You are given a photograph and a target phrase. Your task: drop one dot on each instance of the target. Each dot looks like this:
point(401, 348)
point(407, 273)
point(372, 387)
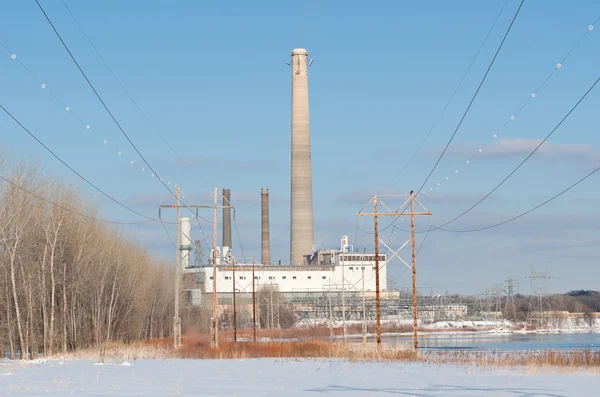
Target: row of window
point(362, 258)
point(271, 277)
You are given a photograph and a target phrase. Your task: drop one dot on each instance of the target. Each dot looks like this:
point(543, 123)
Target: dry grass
point(197, 346)
point(532, 361)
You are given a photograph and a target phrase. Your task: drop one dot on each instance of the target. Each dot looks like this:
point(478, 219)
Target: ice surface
point(284, 377)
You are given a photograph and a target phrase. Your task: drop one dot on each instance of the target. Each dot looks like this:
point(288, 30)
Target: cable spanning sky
point(212, 80)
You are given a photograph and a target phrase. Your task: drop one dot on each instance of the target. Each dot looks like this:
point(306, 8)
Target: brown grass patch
point(531, 360)
point(197, 346)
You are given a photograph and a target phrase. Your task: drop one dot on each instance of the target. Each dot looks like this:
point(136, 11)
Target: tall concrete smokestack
point(226, 218)
point(301, 223)
point(265, 241)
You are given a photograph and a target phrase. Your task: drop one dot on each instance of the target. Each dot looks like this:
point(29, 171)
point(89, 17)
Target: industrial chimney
point(226, 218)
point(265, 242)
point(301, 222)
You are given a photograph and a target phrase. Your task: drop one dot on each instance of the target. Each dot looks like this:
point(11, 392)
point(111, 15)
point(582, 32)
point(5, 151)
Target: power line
point(530, 97)
point(65, 106)
point(73, 170)
point(129, 95)
point(526, 212)
point(558, 66)
point(451, 97)
point(465, 113)
point(474, 96)
point(237, 232)
point(101, 100)
point(67, 209)
point(526, 158)
point(168, 235)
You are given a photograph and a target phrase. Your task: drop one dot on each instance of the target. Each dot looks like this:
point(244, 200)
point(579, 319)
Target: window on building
point(271, 277)
point(351, 268)
point(293, 277)
point(309, 277)
point(324, 277)
point(211, 277)
point(283, 277)
point(255, 277)
point(226, 277)
point(241, 278)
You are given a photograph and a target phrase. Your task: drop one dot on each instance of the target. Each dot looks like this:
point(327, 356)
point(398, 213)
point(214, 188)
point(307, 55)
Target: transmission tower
point(511, 284)
point(539, 301)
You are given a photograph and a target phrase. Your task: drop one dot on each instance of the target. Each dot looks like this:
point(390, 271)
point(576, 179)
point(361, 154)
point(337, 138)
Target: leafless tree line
point(66, 281)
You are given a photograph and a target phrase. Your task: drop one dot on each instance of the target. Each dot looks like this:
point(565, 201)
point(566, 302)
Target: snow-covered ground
point(268, 377)
point(566, 325)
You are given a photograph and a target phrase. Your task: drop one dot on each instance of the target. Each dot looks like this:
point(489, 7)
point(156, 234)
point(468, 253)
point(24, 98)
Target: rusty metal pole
point(253, 303)
point(377, 301)
point(414, 271)
point(234, 306)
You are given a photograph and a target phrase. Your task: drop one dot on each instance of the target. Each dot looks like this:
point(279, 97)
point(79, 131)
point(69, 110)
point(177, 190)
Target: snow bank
point(565, 325)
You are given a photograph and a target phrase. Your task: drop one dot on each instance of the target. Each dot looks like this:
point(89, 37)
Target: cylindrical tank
point(186, 242)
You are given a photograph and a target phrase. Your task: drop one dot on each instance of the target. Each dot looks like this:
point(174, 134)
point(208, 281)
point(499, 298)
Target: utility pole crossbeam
point(398, 213)
point(215, 207)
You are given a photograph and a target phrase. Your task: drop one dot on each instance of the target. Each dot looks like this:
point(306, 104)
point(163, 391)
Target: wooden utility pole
point(414, 270)
point(364, 309)
point(399, 212)
point(215, 334)
point(343, 305)
point(177, 319)
point(234, 306)
point(253, 303)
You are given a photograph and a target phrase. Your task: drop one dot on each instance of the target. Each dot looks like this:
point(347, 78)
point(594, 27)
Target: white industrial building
point(325, 270)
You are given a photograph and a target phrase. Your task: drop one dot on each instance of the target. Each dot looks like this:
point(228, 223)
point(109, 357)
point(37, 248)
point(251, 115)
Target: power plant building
point(327, 270)
point(309, 270)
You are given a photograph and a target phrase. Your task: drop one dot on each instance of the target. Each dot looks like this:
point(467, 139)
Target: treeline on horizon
point(69, 282)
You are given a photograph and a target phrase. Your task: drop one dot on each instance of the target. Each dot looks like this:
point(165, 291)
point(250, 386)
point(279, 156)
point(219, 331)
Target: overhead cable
point(526, 158)
point(130, 96)
point(450, 99)
point(67, 209)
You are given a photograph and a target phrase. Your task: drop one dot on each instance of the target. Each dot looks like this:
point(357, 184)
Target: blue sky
point(212, 79)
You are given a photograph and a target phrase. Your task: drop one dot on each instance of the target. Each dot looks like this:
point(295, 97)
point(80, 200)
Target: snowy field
point(268, 377)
